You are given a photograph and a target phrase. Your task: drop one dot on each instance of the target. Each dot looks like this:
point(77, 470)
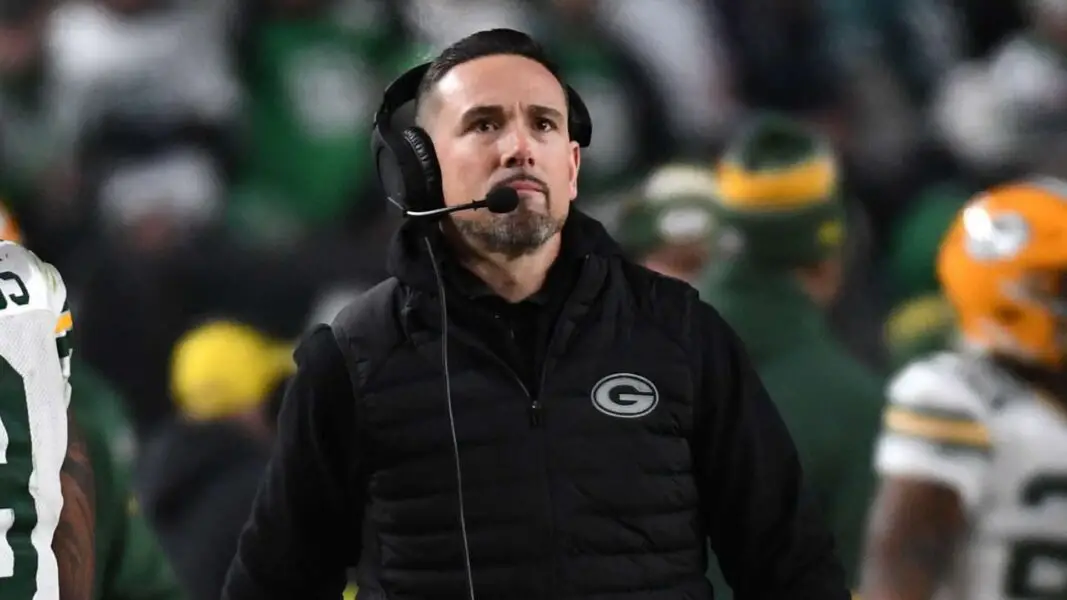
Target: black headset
point(405, 161)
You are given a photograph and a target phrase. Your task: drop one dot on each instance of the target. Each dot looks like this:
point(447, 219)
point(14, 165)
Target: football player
point(973, 454)
point(46, 482)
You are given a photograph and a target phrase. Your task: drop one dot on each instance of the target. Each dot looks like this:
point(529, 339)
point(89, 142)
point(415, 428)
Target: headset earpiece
point(425, 191)
point(400, 169)
point(579, 122)
point(405, 161)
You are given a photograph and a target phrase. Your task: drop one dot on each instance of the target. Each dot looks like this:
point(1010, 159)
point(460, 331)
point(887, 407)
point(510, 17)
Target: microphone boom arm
point(499, 201)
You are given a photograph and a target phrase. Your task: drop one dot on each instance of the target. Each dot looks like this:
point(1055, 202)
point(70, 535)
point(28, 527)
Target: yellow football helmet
point(1003, 266)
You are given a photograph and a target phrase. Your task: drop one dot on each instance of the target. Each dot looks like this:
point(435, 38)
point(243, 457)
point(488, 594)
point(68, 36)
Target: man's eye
point(484, 126)
point(546, 125)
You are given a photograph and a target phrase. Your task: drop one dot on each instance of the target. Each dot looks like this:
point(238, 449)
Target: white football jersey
point(34, 395)
point(960, 421)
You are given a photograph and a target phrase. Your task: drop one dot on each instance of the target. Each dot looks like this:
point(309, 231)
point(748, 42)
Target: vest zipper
point(537, 411)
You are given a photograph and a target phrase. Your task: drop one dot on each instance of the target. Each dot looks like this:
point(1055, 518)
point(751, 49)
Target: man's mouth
point(525, 186)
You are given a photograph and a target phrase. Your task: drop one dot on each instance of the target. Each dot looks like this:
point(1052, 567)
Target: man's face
point(502, 120)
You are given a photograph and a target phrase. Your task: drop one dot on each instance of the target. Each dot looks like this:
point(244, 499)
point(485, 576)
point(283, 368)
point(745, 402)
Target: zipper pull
point(536, 413)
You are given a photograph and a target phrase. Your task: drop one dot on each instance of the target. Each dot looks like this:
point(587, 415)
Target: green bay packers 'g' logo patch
point(625, 395)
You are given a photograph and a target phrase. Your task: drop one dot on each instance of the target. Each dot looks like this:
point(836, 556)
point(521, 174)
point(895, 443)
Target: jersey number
point(19, 558)
point(20, 298)
point(1038, 568)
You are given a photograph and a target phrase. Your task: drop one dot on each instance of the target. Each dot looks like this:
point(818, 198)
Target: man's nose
point(518, 149)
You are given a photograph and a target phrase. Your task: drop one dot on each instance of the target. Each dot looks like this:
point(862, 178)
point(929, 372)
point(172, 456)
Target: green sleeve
point(141, 571)
point(137, 567)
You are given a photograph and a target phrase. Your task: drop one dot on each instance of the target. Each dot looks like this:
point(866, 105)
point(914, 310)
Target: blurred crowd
point(198, 171)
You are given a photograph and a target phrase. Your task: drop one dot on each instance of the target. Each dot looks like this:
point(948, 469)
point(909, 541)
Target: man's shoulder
point(370, 325)
point(367, 309)
point(955, 381)
point(656, 291)
point(668, 302)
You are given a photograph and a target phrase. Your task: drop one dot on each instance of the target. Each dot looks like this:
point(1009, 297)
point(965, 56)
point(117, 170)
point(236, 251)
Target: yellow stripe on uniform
point(64, 324)
point(801, 186)
point(937, 429)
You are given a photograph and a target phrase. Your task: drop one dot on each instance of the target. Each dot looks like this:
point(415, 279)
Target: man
point(778, 268)
point(667, 226)
point(46, 480)
point(973, 455)
point(199, 473)
point(606, 423)
point(132, 565)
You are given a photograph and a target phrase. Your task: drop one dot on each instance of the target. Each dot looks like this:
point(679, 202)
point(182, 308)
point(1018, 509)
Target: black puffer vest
point(583, 490)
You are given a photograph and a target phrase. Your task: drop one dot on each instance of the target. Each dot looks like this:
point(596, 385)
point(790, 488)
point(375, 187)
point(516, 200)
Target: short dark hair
point(489, 42)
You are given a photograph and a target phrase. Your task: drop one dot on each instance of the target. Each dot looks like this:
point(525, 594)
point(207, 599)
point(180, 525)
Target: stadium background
point(193, 161)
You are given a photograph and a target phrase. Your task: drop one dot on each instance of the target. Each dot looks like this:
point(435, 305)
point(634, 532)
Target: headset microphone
point(500, 200)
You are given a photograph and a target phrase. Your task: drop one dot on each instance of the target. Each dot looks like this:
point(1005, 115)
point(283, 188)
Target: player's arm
point(73, 539)
point(931, 456)
point(915, 530)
